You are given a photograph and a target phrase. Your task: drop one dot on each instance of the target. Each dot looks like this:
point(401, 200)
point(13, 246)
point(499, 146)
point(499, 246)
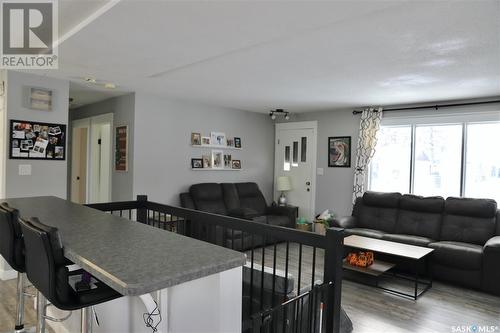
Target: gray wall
point(122, 108)
point(48, 177)
point(163, 153)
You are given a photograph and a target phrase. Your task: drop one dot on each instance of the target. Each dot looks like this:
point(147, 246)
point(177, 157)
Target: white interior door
point(91, 164)
point(101, 155)
point(80, 160)
point(295, 157)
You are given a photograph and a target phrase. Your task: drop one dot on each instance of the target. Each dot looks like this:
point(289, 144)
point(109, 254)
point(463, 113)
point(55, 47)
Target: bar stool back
point(46, 269)
point(12, 250)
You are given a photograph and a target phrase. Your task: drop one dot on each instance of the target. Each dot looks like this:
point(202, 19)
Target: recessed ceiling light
point(89, 79)
point(110, 85)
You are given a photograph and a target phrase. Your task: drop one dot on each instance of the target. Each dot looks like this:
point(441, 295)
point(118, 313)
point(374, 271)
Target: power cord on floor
point(149, 318)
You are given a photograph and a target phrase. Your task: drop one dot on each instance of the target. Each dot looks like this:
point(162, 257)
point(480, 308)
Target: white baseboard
point(8, 274)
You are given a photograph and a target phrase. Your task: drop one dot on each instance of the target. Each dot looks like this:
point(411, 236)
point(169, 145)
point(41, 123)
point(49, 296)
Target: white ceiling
point(297, 55)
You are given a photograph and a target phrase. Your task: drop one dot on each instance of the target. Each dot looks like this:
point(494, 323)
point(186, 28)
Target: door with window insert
point(295, 157)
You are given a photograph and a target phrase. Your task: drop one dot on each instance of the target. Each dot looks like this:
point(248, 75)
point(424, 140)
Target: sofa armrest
point(345, 222)
point(285, 211)
point(491, 268)
point(493, 244)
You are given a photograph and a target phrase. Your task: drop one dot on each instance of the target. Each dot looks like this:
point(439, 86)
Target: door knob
point(308, 183)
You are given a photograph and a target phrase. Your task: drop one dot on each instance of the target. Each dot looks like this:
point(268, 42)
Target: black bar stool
point(12, 249)
point(46, 269)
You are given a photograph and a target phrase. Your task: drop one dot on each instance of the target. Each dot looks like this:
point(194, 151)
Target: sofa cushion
point(408, 239)
point(469, 220)
point(457, 254)
point(365, 232)
point(420, 216)
point(381, 199)
point(485, 208)
point(378, 218)
point(231, 198)
point(251, 197)
point(378, 211)
point(208, 197)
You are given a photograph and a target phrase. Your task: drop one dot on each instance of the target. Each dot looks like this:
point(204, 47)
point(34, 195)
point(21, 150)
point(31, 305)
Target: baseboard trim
point(8, 274)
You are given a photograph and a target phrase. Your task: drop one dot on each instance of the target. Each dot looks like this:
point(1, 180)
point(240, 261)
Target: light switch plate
point(24, 169)
point(320, 171)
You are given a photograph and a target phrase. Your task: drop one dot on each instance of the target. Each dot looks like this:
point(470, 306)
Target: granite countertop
point(130, 257)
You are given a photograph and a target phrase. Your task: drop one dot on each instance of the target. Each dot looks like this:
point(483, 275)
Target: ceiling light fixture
point(89, 79)
point(279, 112)
point(109, 85)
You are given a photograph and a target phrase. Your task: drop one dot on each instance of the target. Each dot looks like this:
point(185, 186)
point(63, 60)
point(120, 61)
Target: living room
point(287, 88)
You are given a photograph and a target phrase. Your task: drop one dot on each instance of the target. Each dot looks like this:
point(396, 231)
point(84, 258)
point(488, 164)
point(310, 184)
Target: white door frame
point(87, 123)
point(292, 126)
point(106, 118)
point(81, 123)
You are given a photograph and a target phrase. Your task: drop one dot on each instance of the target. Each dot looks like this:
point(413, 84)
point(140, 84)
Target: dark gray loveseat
point(464, 233)
point(242, 200)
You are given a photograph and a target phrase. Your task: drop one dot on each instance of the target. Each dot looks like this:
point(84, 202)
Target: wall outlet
point(24, 169)
point(320, 171)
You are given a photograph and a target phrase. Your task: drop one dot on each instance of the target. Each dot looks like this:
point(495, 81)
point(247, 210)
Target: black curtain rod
point(437, 106)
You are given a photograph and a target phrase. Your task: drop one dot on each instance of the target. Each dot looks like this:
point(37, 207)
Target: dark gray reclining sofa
point(464, 233)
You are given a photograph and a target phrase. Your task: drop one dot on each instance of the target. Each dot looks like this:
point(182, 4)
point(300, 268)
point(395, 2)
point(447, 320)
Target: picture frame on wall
point(37, 141)
point(207, 161)
point(217, 159)
point(195, 139)
point(40, 99)
point(227, 161)
point(236, 164)
point(121, 148)
point(339, 152)
point(218, 139)
point(237, 142)
point(196, 163)
point(205, 141)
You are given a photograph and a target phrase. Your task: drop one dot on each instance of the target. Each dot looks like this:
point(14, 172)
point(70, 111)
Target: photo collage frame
point(36, 140)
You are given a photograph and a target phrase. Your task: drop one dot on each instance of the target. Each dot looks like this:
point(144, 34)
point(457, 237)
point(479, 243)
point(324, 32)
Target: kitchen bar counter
point(130, 257)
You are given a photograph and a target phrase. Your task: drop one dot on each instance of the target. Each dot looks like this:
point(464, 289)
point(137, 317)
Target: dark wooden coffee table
point(412, 253)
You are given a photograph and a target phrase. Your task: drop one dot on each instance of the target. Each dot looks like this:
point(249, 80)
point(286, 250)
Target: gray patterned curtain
point(368, 129)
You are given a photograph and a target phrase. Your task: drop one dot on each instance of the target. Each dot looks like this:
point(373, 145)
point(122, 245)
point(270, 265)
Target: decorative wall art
point(36, 140)
point(218, 139)
point(339, 151)
point(219, 158)
point(40, 99)
point(121, 148)
point(196, 139)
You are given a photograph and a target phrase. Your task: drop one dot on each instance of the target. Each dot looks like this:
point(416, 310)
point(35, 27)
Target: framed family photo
point(196, 139)
point(218, 139)
point(339, 151)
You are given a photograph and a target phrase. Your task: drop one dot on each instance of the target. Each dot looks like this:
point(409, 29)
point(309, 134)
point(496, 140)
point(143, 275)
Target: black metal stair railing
point(292, 281)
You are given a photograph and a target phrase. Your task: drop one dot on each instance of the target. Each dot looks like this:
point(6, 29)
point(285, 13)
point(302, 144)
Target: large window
point(438, 156)
point(390, 167)
point(439, 159)
point(482, 170)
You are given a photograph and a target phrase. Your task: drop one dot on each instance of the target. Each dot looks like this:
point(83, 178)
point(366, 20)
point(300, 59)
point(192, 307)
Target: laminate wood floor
point(440, 309)
point(8, 307)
